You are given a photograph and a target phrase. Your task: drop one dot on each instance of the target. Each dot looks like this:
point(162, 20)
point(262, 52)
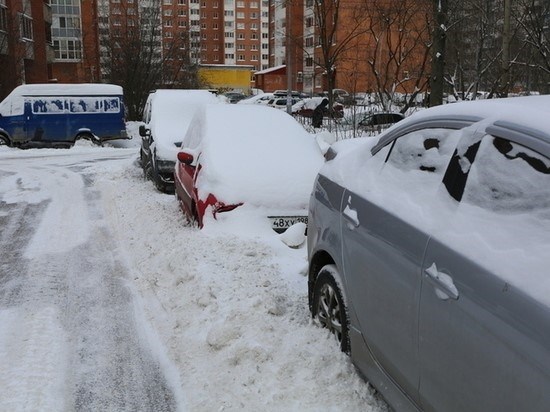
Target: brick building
point(73, 40)
point(25, 51)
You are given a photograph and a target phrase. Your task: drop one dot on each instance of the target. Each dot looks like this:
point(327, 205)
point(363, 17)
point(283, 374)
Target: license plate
point(281, 223)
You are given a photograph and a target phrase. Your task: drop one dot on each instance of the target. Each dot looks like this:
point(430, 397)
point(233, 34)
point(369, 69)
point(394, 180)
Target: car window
point(426, 150)
point(405, 176)
point(502, 221)
point(508, 177)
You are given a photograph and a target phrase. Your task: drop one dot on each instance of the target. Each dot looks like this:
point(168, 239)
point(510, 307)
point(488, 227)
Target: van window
point(84, 104)
point(111, 105)
point(12, 107)
point(49, 105)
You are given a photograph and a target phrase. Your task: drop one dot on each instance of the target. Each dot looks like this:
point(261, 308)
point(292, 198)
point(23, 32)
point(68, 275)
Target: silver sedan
point(429, 253)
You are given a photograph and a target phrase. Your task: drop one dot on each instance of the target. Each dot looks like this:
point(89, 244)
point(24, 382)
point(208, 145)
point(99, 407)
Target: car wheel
point(160, 184)
point(4, 140)
point(329, 309)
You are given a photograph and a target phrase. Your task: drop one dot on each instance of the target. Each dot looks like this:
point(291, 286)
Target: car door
point(484, 330)
point(386, 215)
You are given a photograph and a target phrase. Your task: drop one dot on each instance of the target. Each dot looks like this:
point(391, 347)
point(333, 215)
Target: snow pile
point(230, 306)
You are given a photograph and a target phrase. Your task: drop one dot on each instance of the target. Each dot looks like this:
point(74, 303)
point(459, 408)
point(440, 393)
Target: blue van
point(36, 115)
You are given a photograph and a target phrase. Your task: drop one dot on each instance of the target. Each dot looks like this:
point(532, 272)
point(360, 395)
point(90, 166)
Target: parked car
point(306, 107)
point(57, 115)
point(234, 97)
point(261, 98)
point(246, 156)
point(166, 116)
point(280, 102)
point(428, 257)
point(370, 123)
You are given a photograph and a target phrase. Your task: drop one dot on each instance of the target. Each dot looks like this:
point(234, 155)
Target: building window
point(309, 41)
point(3, 17)
point(309, 61)
point(309, 22)
point(26, 27)
point(229, 45)
point(241, 57)
point(229, 56)
point(240, 14)
point(228, 13)
point(67, 49)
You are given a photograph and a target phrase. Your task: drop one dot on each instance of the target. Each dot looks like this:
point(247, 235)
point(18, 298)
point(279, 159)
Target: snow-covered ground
point(108, 296)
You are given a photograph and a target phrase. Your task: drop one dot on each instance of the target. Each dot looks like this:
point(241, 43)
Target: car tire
point(4, 141)
point(161, 185)
point(329, 308)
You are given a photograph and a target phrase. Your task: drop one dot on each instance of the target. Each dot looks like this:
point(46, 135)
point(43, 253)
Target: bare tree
point(439, 51)
point(339, 25)
point(397, 51)
point(533, 18)
point(137, 57)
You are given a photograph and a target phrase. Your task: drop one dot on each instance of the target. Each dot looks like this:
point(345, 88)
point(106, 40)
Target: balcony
point(47, 13)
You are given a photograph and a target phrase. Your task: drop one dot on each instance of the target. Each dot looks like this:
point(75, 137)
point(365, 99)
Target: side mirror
point(185, 158)
point(143, 130)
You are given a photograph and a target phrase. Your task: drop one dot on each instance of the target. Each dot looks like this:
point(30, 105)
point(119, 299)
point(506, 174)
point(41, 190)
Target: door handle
point(443, 283)
point(351, 217)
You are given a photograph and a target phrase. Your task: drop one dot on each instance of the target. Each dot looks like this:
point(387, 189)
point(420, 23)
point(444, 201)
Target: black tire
point(161, 185)
point(329, 309)
point(90, 137)
point(4, 141)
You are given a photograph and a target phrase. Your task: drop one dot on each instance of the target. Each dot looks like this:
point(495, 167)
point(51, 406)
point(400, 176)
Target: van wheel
point(89, 136)
point(4, 141)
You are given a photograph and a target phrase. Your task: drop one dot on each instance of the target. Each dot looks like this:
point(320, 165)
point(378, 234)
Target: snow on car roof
point(529, 111)
point(56, 89)
point(254, 154)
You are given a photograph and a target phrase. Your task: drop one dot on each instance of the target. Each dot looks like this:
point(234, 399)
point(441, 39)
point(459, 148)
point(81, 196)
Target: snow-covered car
point(166, 116)
point(248, 156)
point(428, 256)
point(280, 102)
point(261, 98)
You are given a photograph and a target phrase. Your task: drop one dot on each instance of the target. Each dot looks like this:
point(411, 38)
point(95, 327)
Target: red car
point(250, 156)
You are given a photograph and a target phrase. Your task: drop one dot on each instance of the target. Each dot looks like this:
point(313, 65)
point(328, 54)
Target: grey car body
point(428, 257)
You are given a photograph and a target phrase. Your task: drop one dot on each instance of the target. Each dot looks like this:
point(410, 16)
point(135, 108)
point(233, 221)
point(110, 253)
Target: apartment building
point(74, 36)
point(25, 51)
